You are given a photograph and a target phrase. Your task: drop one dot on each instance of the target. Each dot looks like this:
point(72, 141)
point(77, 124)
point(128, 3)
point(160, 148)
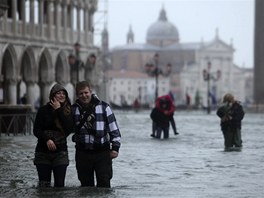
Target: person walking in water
point(97, 137)
point(52, 125)
point(231, 114)
point(162, 116)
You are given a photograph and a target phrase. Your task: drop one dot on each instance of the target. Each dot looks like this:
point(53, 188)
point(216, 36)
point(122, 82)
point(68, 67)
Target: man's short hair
point(82, 85)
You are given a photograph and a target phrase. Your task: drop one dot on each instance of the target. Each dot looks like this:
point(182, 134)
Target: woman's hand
point(51, 145)
point(55, 103)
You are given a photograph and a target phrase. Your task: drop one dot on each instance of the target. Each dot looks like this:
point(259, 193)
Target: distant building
point(187, 60)
point(125, 87)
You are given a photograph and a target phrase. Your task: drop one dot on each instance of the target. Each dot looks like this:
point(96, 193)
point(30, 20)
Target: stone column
point(32, 17)
point(14, 19)
point(4, 22)
point(71, 23)
point(44, 92)
point(30, 94)
point(58, 19)
point(23, 16)
point(64, 20)
point(11, 92)
point(85, 24)
point(41, 17)
point(78, 22)
point(50, 18)
point(91, 28)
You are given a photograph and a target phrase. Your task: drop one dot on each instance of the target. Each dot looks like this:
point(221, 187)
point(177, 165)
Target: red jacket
point(171, 107)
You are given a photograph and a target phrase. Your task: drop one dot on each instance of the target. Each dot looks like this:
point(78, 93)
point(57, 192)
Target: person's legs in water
point(59, 173)
point(237, 138)
point(228, 139)
point(159, 130)
point(44, 174)
point(154, 129)
point(103, 169)
point(85, 168)
point(166, 133)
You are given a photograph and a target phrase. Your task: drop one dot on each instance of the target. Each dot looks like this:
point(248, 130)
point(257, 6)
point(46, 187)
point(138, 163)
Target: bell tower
point(130, 36)
point(258, 54)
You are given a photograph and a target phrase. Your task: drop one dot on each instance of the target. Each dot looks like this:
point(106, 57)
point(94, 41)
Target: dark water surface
point(192, 164)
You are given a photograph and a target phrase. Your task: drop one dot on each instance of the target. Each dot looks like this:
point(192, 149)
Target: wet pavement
point(192, 164)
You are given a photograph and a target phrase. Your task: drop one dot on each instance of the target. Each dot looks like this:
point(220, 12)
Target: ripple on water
point(191, 164)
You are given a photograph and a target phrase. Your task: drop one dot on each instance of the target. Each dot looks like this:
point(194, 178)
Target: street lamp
point(154, 71)
point(92, 60)
point(75, 61)
point(90, 69)
point(207, 75)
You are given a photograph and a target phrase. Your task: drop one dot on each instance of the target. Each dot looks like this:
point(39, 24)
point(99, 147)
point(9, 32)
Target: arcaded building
point(37, 38)
point(185, 62)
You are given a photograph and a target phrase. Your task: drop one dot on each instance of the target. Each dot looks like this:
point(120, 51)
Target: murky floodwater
point(192, 164)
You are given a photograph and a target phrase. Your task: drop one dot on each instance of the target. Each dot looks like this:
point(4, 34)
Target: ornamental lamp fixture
point(71, 59)
point(77, 48)
point(92, 59)
point(3, 7)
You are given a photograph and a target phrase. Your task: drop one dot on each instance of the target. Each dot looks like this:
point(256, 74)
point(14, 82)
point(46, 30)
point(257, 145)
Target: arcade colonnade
point(36, 38)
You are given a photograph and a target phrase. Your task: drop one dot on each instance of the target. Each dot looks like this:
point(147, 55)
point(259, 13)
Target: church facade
point(187, 65)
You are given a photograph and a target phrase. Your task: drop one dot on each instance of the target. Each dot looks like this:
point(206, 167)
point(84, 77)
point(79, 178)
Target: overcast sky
point(195, 20)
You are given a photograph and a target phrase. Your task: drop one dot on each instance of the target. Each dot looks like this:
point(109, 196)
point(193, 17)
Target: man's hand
point(113, 154)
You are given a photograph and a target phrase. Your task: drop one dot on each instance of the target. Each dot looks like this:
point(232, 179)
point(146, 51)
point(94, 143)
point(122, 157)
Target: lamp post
point(75, 61)
point(207, 75)
point(155, 70)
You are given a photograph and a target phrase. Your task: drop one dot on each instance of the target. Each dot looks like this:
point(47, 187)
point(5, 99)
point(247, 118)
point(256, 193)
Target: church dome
point(162, 32)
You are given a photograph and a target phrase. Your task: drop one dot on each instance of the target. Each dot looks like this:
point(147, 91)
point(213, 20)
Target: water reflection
point(192, 164)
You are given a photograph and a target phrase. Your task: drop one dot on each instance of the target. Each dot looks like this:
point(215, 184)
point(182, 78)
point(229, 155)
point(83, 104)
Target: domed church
point(162, 32)
point(185, 66)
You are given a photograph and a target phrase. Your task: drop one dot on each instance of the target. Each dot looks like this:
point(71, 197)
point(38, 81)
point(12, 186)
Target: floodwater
point(192, 164)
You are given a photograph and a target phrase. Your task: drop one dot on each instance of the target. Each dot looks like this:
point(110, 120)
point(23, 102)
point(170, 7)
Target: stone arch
point(45, 74)
point(62, 69)
point(28, 66)
point(28, 71)
point(45, 69)
point(9, 74)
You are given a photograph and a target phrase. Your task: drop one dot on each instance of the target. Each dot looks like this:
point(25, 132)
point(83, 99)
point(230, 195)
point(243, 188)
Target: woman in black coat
point(52, 125)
